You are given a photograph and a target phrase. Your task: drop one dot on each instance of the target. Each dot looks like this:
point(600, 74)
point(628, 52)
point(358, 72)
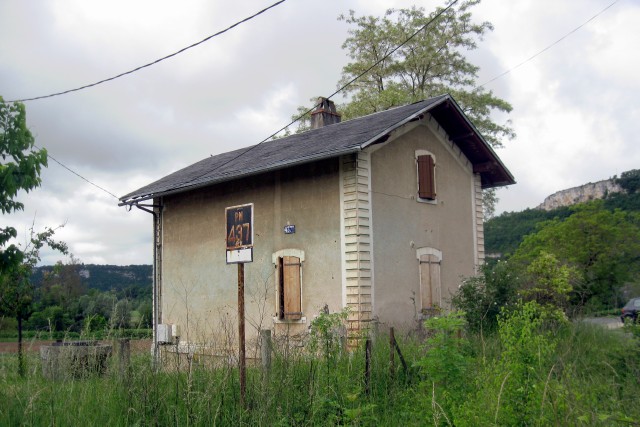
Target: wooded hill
point(106, 277)
point(504, 233)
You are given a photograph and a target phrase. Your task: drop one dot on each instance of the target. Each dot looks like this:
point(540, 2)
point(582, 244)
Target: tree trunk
point(21, 363)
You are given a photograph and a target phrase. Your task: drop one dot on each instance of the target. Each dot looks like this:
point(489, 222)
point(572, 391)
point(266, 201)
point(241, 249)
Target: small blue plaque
point(289, 229)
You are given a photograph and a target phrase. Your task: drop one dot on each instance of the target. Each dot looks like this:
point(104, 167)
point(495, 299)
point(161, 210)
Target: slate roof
point(331, 141)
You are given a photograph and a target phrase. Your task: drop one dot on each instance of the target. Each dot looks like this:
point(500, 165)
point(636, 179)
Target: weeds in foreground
point(528, 373)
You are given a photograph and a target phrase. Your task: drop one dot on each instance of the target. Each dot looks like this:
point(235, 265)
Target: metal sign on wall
point(239, 233)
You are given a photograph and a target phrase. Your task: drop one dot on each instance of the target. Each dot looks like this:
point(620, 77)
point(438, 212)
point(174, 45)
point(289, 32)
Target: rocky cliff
point(581, 194)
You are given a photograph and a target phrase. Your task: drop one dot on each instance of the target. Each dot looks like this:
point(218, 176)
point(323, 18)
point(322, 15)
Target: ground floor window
point(288, 263)
point(430, 260)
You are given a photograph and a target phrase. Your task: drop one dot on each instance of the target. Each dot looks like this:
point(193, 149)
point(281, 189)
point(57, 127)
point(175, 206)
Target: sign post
point(239, 232)
point(241, 339)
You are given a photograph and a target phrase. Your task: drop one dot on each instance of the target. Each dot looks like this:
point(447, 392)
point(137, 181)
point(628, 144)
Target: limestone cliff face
point(584, 193)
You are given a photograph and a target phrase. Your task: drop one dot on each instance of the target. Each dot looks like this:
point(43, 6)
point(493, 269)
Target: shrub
point(445, 364)
point(482, 298)
point(517, 382)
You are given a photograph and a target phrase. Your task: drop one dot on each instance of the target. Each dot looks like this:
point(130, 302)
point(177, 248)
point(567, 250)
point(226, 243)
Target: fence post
point(125, 357)
point(392, 367)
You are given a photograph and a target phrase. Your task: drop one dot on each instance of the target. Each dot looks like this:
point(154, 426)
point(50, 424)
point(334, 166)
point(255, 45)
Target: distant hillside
point(581, 194)
point(107, 277)
point(504, 233)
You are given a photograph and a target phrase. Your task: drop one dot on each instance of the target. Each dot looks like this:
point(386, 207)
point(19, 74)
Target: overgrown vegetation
point(511, 357)
point(20, 170)
point(537, 369)
point(74, 299)
point(598, 243)
point(504, 233)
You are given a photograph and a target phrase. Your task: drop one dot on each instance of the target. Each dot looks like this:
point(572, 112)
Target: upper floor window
point(426, 166)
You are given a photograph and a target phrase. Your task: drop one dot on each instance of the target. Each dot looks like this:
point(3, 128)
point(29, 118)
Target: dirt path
point(606, 322)
point(137, 346)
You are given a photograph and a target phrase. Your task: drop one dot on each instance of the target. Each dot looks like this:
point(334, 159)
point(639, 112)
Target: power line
point(387, 56)
point(349, 83)
point(77, 174)
point(549, 46)
point(312, 108)
point(154, 62)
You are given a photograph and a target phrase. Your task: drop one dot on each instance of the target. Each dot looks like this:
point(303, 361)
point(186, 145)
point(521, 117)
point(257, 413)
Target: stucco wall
point(200, 289)
point(401, 224)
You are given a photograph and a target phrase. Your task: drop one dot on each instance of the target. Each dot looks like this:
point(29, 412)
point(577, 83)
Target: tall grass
point(592, 377)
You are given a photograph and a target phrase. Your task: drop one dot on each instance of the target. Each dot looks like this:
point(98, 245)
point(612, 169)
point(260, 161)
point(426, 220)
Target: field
point(576, 374)
point(6, 347)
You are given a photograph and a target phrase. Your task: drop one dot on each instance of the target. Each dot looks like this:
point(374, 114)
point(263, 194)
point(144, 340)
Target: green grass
point(591, 379)
point(12, 336)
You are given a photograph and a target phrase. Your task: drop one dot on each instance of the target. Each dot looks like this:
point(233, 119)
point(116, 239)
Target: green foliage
point(534, 372)
point(431, 63)
point(129, 281)
point(98, 334)
point(623, 201)
point(76, 289)
point(482, 297)
point(504, 233)
point(53, 318)
point(19, 170)
point(445, 364)
point(489, 201)
point(629, 181)
point(16, 291)
point(145, 312)
point(601, 246)
point(528, 339)
point(328, 333)
point(632, 328)
point(547, 281)
point(511, 389)
point(121, 315)
point(21, 166)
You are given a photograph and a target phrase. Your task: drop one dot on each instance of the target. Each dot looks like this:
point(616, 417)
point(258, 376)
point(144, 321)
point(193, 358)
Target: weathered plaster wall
point(401, 224)
point(200, 289)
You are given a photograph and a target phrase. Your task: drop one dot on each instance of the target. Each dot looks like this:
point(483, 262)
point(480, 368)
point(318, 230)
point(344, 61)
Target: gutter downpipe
point(157, 259)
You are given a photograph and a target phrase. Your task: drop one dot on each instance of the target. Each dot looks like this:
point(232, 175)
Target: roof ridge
point(316, 144)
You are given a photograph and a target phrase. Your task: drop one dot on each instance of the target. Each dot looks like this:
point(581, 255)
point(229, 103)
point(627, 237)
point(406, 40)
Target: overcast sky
point(575, 107)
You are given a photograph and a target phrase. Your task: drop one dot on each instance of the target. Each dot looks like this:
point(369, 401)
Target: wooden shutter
point(289, 305)
point(430, 292)
point(426, 177)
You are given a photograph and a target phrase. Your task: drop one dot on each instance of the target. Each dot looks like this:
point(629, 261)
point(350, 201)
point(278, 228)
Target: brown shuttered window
point(430, 291)
point(289, 304)
point(426, 177)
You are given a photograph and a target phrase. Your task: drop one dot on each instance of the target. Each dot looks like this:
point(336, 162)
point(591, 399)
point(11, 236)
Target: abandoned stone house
point(381, 214)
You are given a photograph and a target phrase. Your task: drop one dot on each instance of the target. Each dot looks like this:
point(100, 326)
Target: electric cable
point(315, 106)
point(389, 54)
point(77, 174)
point(153, 62)
point(350, 82)
point(548, 47)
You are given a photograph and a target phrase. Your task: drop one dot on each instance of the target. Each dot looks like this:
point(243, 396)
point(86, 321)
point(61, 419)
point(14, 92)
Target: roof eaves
point(484, 142)
point(132, 199)
point(403, 122)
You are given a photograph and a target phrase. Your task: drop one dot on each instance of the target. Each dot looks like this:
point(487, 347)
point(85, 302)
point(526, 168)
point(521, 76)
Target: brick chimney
point(324, 114)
